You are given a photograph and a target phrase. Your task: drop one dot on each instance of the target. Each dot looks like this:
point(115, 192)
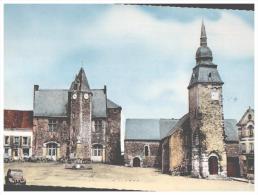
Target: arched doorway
point(52, 150)
point(136, 162)
point(213, 165)
point(97, 153)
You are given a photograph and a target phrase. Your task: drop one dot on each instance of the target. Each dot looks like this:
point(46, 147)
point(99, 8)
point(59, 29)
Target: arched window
point(52, 149)
point(249, 116)
point(146, 150)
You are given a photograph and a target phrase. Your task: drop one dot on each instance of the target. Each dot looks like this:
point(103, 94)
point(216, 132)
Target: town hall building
point(201, 143)
point(79, 123)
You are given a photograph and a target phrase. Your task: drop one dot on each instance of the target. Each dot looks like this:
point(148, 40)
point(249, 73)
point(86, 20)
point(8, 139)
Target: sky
point(144, 54)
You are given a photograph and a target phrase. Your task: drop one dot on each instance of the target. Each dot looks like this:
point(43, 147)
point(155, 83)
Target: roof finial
point(203, 35)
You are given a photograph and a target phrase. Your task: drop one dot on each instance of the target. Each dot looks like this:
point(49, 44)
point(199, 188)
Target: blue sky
point(144, 54)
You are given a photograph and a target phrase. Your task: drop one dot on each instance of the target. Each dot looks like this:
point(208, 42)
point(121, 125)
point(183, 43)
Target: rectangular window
point(6, 140)
point(16, 140)
point(25, 141)
point(6, 150)
point(243, 148)
point(98, 125)
point(251, 148)
point(16, 152)
point(25, 151)
point(52, 124)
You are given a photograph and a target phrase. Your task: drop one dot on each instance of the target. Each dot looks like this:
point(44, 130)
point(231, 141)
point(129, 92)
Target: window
point(97, 150)
point(52, 124)
point(16, 140)
point(251, 148)
point(146, 150)
point(6, 150)
point(98, 125)
point(6, 139)
point(25, 151)
point(249, 116)
point(243, 148)
point(250, 128)
point(196, 138)
point(15, 152)
point(51, 149)
point(25, 140)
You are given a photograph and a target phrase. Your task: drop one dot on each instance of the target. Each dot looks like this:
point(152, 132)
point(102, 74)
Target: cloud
point(229, 36)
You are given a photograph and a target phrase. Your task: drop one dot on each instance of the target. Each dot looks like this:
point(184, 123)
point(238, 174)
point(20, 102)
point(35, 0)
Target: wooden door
point(213, 165)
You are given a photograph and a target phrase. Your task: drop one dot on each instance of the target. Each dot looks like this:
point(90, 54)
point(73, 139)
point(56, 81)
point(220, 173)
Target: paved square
point(119, 177)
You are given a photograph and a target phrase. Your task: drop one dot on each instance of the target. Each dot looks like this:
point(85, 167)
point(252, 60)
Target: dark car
point(15, 177)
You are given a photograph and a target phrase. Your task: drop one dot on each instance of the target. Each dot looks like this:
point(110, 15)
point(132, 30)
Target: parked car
point(7, 158)
point(15, 177)
point(26, 157)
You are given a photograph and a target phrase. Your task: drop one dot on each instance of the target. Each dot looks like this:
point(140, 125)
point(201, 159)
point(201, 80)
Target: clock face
point(74, 96)
point(86, 96)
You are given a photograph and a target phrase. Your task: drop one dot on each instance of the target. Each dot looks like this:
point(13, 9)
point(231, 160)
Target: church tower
point(206, 115)
point(80, 106)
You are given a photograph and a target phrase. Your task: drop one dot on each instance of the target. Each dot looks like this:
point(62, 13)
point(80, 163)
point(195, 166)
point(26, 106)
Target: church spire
point(203, 41)
point(80, 83)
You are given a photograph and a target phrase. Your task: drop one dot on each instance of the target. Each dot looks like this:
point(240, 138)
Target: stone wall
point(177, 152)
point(136, 149)
point(165, 155)
point(41, 135)
point(232, 149)
point(113, 148)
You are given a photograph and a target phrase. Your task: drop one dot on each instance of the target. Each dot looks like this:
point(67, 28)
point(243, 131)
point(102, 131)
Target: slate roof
point(157, 129)
point(148, 129)
point(231, 130)
point(111, 104)
point(99, 103)
point(80, 83)
point(179, 124)
point(18, 119)
point(205, 74)
point(51, 103)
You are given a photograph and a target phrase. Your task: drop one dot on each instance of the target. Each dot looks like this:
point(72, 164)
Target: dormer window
point(249, 116)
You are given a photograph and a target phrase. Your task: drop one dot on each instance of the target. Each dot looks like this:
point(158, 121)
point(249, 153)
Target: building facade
point(202, 143)
point(17, 134)
point(78, 122)
point(246, 137)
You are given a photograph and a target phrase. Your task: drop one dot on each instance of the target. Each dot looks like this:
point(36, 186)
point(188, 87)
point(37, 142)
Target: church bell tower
point(206, 115)
point(80, 106)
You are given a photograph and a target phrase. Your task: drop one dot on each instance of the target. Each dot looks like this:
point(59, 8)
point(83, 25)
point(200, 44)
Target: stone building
point(17, 134)
point(201, 143)
point(246, 137)
point(78, 122)
point(142, 141)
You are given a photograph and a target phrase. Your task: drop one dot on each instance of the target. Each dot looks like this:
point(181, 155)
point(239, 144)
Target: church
point(201, 143)
point(78, 122)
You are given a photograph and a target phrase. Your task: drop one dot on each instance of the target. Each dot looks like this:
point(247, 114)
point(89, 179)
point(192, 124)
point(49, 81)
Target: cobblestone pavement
point(119, 177)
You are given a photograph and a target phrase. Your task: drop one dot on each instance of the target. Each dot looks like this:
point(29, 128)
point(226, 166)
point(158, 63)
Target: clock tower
point(206, 115)
point(80, 106)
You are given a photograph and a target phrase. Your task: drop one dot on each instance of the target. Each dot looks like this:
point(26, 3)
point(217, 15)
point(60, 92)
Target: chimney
point(105, 89)
point(36, 87)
